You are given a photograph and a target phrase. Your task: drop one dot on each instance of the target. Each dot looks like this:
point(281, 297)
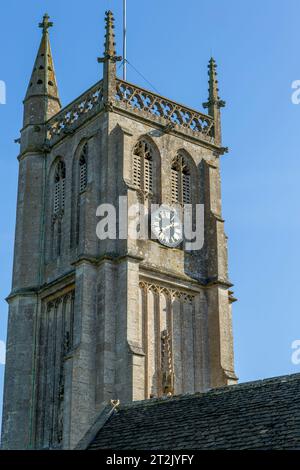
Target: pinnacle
point(110, 44)
point(213, 90)
point(110, 35)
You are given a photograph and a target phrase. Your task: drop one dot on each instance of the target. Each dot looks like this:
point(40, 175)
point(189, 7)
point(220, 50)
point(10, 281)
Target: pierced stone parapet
point(73, 115)
point(168, 113)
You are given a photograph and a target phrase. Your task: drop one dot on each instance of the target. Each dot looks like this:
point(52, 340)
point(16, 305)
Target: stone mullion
point(38, 419)
point(58, 373)
point(72, 319)
point(53, 239)
point(58, 241)
point(84, 206)
point(188, 345)
point(193, 339)
point(78, 212)
point(67, 324)
point(66, 302)
point(144, 309)
point(44, 361)
point(158, 341)
point(67, 367)
point(48, 368)
point(196, 344)
point(61, 382)
point(203, 342)
point(170, 326)
point(182, 341)
point(177, 351)
point(53, 373)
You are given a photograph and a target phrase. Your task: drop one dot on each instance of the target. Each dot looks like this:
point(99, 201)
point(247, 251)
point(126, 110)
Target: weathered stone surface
point(88, 317)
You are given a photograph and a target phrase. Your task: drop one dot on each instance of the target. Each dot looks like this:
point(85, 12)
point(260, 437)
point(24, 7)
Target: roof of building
point(257, 415)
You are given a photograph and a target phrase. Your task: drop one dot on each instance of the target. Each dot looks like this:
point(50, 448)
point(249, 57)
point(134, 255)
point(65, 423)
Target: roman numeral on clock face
point(166, 226)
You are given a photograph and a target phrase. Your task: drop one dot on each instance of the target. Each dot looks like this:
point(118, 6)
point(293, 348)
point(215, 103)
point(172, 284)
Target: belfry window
point(180, 181)
point(58, 208)
point(59, 188)
point(143, 167)
point(83, 169)
point(81, 185)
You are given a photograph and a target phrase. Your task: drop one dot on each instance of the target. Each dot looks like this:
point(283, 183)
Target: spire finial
point(110, 45)
point(46, 24)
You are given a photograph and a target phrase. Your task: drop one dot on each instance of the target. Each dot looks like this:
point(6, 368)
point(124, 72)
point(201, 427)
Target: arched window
point(58, 207)
point(59, 188)
point(80, 185)
point(143, 166)
point(181, 181)
point(83, 169)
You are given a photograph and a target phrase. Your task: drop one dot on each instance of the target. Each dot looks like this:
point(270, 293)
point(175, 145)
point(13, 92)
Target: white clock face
point(166, 226)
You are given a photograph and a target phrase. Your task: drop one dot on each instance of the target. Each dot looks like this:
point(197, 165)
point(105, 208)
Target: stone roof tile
point(257, 415)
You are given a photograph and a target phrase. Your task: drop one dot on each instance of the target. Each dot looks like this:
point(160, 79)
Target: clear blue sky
point(256, 45)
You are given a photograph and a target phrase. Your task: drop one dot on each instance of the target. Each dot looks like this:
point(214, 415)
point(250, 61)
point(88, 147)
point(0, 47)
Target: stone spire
point(109, 60)
point(214, 103)
point(42, 98)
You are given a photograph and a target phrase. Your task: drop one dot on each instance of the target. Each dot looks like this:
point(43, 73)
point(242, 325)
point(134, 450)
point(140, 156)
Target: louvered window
point(137, 171)
point(83, 170)
point(143, 167)
point(148, 175)
point(82, 180)
point(59, 188)
point(56, 196)
point(180, 181)
point(63, 192)
point(58, 209)
point(82, 175)
point(175, 185)
point(186, 188)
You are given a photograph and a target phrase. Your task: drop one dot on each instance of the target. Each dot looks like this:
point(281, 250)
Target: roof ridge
point(212, 391)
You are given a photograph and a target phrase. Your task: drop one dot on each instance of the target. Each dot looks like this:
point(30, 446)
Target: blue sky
point(256, 45)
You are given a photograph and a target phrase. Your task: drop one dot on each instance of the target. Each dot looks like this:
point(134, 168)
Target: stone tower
point(92, 320)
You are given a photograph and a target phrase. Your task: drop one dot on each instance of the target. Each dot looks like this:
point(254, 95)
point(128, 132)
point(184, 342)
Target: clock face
point(166, 226)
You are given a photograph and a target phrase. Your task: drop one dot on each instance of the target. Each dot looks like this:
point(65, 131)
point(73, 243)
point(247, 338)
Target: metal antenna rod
point(124, 39)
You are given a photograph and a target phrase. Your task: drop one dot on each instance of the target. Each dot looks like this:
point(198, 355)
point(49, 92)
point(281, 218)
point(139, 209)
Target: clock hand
point(167, 227)
point(173, 225)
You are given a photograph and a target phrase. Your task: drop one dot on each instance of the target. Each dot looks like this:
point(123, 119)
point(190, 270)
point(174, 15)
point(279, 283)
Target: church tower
point(125, 318)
